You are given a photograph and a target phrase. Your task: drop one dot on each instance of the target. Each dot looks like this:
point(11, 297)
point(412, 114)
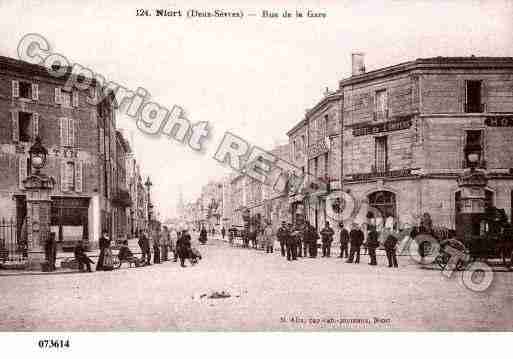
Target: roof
point(432, 63)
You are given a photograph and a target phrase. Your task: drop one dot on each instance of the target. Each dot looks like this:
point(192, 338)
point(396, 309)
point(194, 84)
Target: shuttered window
point(68, 132)
point(22, 170)
point(67, 176)
point(381, 104)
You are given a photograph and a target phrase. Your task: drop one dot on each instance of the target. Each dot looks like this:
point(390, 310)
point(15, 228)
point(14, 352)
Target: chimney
point(357, 63)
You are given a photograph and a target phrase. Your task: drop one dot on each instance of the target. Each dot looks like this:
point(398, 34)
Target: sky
point(254, 77)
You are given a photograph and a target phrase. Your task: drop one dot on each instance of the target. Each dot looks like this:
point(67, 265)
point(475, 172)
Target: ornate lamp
point(38, 155)
point(473, 156)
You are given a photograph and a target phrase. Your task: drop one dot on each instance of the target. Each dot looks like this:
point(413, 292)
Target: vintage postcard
point(286, 166)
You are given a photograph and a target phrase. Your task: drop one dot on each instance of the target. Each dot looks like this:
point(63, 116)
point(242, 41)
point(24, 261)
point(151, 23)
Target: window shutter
point(22, 170)
point(64, 186)
point(15, 126)
point(75, 98)
point(372, 105)
point(78, 176)
point(35, 125)
point(35, 92)
point(15, 88)
point(58, 95)
point(102, 141)
point(64, 131)
point(71, 132)
point(76, 127)
point(484, 96)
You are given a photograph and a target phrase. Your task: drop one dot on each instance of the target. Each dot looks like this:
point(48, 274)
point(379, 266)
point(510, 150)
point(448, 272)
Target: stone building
point(79, 137)
point(121, 199)
point(315, 151)
point(406, 130)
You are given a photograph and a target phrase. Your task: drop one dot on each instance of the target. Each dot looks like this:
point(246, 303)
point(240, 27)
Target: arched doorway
point(385, 203)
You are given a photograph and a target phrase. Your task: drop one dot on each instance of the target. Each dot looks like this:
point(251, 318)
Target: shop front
point(69, 221)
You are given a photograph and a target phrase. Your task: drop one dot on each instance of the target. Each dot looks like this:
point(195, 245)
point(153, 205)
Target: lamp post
point(148, 185)
point(472, 185)
point(37, 187)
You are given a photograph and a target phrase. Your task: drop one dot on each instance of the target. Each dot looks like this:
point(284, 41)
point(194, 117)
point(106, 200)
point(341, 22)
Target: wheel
point(116, 263)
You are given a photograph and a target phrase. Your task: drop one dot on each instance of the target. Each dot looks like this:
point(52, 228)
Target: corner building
point(406, 128)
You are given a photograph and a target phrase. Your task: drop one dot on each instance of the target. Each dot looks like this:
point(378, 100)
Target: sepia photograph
point(258, 166)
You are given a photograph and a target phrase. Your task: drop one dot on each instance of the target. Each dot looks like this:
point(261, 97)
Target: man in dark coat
point(203, 235)
point(344, 241)
point(183, 247)
point(356, 237)
point(81, 257)
point(326, 238)
point(372, 244)
point(51, 251)
point(313, 236)
point(144, 244)
point(390, 249)
point(282, 235)
point(223, 232)
point(291, 243)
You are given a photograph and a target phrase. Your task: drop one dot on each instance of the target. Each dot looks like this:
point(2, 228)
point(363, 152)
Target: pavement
point(246, 290)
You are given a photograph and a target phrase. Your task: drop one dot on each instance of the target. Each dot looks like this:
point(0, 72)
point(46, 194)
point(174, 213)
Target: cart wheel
point(117, 263)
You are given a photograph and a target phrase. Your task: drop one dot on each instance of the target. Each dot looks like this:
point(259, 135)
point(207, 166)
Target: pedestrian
point(51, 251)
point(268, 238)
point(344, 241)
point(203, 235)
point(390, 249)
point(356, 238)
point(291, 243)
point(313, 237)
point(183, 247)
point(231, 235)
point(144, 243)
point(223, 232)
point(253, 237)
point(81, 257)
point(326, 239)
point(156, 247)
point(299, 240)
point(104, 243)
point(165, 244)
point(372, 244)
point(175, 234)
point(282, 236)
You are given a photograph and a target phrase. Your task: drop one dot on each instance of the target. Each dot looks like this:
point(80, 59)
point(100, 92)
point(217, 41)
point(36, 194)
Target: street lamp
point(148, 185)
point(38, 154)
point(473, 156)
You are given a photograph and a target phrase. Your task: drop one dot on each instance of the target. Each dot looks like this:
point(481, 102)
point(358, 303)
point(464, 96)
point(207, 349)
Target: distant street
point(266, 293)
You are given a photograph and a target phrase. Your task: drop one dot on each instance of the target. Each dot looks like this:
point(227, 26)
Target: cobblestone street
point(266, 293)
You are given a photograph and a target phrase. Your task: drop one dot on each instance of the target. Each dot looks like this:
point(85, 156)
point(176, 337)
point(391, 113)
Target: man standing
point(156, 247)
point(326, 238)
point(145, 247)
point(372, 245)
point(291, 243)
point(390, 248)
point(356, 237)
point(313, 237)
point(282, 235)
point(203, 235)
point(269, 238)
point(51, 251)
point(183, 247)
point(223, 232)
point(344, 241)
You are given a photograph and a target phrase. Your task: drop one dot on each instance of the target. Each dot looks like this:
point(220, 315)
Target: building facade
point(80, 137)
point(407, 129)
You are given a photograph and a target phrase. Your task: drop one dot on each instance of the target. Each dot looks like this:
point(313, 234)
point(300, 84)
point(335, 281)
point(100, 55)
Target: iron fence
point(13, 247)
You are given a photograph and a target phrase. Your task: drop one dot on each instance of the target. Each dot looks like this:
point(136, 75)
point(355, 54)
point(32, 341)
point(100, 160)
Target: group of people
point(161, 243)
point(303, 241)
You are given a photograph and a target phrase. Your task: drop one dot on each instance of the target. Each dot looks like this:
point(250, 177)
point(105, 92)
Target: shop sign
point(499, 121)
point(405, 172)
point(401, 123)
